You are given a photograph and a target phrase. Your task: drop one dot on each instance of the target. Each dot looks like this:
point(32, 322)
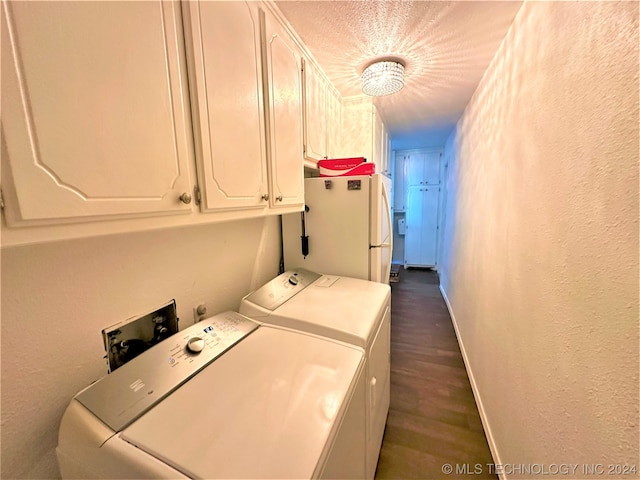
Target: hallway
point(433, 419)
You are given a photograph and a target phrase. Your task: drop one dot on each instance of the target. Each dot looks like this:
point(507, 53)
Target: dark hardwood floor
point(433, 419)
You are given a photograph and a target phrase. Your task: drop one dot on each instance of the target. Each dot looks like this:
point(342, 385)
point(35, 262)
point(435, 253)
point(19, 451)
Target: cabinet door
point(423, 167)
point(284, 92)
point(94, 121)
point(415, 161)
point(357, 128)
point(225, 66)
point(386, 158)
point(378, 140)
point(314, 113)
point(334, 121)
point(399, 183)
point(421, 227)
point(431, 168)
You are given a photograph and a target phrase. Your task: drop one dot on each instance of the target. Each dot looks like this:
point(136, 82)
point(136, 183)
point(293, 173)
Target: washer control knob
point(195, 344)
point(293, 280)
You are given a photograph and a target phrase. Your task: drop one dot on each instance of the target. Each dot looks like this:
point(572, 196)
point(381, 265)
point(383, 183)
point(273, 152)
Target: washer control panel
point(276, 292)
point(122, 396)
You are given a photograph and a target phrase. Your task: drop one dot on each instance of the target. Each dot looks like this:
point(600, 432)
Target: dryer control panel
point(122, 396)
point(276, 292)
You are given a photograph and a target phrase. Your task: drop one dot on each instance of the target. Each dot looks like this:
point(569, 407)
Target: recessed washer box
point(126, 340)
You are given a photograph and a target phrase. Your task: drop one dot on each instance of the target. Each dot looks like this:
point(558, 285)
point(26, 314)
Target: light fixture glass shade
point(382, 78)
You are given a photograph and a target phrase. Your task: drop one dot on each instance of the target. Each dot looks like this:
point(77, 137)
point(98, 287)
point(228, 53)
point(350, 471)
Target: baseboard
point(474, 388)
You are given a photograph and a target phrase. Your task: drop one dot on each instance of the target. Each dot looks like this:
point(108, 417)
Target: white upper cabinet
point(386, 151)
point(364, 133)
point(131, 111)
point(315, 113)
point(246, 98)
point(399, 183)
point(422, 166)
point(225, 70)
point(284, 104)
point(322, 116)
point(334, 123)
point(381, 155)
point(94, 115)
point(379, 152)
point(357, 128)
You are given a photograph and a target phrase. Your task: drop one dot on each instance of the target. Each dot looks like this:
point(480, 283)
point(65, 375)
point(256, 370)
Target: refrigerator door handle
point(387, 201)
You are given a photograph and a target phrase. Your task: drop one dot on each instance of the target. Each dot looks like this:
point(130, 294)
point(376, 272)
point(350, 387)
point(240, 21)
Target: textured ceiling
point(446, 48)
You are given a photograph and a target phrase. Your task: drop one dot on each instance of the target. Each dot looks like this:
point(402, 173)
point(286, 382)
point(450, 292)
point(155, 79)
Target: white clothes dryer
point(225, 398)
point(350, 310)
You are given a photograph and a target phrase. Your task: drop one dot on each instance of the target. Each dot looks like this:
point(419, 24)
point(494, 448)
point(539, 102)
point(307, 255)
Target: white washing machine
point(225, 398)
point(345, 309)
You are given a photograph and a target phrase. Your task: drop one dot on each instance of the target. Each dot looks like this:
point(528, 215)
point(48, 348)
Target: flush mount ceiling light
point(383, 78)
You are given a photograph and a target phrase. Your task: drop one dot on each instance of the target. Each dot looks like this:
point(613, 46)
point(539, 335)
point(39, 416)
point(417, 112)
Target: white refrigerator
point(348, 228)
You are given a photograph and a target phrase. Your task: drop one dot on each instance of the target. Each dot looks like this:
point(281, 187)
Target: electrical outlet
point(199, 312)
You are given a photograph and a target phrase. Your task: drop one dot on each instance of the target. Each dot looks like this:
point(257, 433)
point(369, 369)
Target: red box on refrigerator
point(341, 167)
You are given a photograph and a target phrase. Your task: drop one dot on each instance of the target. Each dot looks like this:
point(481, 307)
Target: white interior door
point(421, 227)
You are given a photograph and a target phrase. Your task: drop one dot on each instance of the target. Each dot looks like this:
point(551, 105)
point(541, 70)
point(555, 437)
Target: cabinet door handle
point(185, 198)
point(265, 197)
point(279, 198)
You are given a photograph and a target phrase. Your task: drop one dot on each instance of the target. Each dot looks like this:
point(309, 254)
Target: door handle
point(372, 392)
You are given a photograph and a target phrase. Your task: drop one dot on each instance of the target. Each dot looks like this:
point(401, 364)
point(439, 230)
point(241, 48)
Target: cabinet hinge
point(196, 194)
point(304, 149)
point(1, 200)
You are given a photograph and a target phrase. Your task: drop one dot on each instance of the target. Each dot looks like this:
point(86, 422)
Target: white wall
point(431, 137)
point(57, 297)
point(541, 265)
